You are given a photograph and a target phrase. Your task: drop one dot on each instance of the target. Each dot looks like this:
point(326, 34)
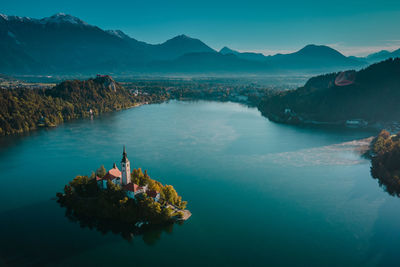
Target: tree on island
point(385, 160)
point(101, 172)
point(167, 192)
point(83, 196)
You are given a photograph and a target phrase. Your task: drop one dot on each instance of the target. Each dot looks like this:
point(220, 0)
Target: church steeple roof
point(124, 155)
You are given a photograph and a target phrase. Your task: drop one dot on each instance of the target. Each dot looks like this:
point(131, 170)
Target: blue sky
point(352, 27)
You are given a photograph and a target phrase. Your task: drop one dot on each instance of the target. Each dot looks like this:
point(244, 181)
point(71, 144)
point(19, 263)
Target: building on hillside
point(130, 190)
point(133, 190)
point(126, 169)
point(154, 194)
point(123, 179)
point(114, 175)
point(356, 123)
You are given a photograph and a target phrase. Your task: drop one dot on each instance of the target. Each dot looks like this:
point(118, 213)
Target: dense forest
point(83, 198)
point(385, 157)
point(24, 109)
point(371, 94)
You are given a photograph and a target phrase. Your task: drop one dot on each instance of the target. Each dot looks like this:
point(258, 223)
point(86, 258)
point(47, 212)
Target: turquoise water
point(260, 193)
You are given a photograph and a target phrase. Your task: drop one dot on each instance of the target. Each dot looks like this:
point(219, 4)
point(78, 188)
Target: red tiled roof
point(112, 174)
point(131, 187)
point(115, 172)
point(152, 193)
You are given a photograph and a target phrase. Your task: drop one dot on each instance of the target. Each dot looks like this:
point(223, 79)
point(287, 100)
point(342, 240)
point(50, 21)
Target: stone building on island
point(126, 169)
point(113, 175)
point(123, 179)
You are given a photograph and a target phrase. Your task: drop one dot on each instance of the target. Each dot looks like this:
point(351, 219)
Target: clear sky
point(353, 27)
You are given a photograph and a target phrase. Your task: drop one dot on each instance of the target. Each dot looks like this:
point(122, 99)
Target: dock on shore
point(186, 215)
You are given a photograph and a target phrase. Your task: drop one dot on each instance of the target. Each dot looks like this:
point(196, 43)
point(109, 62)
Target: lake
point(260, 193)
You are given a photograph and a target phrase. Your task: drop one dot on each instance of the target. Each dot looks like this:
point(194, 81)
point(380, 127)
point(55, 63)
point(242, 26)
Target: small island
point(385, 158)
point(123, 197)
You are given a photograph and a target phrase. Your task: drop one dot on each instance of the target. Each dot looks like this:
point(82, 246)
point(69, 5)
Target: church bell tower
point(125, 168)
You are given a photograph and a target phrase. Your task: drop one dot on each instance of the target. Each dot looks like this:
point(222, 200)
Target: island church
point(123, 179)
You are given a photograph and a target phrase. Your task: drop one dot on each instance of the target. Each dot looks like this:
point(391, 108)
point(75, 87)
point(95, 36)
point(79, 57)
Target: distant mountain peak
point(61, 18)
point(119, 34)
point(382, 53)
point(313, 49)
point(312, 46)
point(16, 18)
point(226, 50)
point(182, 36)
point(184, 40)
point(180, 45)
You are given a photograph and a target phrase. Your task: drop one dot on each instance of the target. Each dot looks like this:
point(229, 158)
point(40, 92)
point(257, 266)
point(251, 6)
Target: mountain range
point(382, 55)
point(64, 44)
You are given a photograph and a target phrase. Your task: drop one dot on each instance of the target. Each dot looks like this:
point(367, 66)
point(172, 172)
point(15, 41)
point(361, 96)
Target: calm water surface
point(260, 193)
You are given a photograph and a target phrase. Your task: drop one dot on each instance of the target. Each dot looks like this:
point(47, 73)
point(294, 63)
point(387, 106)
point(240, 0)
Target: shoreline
point(53, 126)
point(40, 127)
point(392, 127)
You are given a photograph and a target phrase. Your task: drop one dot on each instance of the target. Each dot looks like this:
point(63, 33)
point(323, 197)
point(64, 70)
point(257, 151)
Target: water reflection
point(150, 233)
point(39, 235)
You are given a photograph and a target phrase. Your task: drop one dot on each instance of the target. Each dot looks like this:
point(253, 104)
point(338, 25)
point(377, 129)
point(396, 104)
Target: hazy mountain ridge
point(63, 44)
point(244, 55)
point(382, 55)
